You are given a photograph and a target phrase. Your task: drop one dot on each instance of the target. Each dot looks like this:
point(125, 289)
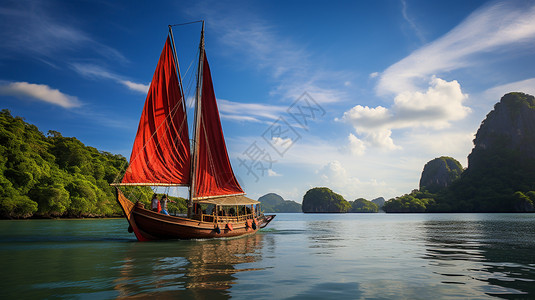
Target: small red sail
point(161, 152)
point(214, 175)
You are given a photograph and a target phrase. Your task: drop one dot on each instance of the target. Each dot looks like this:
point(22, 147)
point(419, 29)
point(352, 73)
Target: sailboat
point(162, 155)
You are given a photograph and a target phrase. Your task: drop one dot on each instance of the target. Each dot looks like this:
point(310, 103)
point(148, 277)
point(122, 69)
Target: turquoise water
point(298, 256)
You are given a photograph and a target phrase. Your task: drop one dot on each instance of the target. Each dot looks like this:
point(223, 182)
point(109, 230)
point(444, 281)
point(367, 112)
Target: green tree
point(53, 176)
point(323, 200)
point(362, 205)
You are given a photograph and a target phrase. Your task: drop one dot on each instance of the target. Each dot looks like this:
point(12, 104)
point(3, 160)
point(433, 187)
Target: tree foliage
point(273, 203)
point(415, 202)
point(362, 205)
point(53, 176)
point(439, 173)
point(323, 200)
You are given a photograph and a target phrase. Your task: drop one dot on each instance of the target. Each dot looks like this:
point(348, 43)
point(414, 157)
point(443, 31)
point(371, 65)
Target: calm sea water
point(312, 256)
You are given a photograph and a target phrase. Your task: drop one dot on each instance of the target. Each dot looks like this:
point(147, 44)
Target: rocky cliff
point(510, 127)
point(439, 173)
point(502, 161)
point(379, 201)
point(323, 200)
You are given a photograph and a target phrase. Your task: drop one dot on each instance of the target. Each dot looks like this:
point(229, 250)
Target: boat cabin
point(229, 209)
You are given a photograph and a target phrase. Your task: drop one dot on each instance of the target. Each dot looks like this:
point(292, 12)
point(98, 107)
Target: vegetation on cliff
point(362, 205)
point(502, 162)
point(501, 167)
point(273, 203)
point(439, 173)
point(323, 200)
point(55, 176)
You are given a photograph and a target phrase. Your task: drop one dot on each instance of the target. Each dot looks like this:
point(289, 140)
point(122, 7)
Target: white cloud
point(239, 118)
point(455, 143)
point(138, 87)
point(335, 176)
point(374, 74)
point(280, 142)
point(502, 26)
point(525, 86)
point(363, 117)
point(272, 173)
point(441, 104)
point(356, 146)
point(94, 71)
point(41, 92)
point(411, 22)
point(381, 139)
point(249, 111)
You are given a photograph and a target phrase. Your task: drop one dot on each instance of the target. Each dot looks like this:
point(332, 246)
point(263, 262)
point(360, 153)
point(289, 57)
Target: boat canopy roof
point(229, 200)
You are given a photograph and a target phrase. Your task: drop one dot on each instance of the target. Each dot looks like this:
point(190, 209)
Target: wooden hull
point(149, 225)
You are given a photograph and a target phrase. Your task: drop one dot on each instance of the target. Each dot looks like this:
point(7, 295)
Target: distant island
point(273, 203)
point(320, 200)
point(324, 200)
point(501, 168)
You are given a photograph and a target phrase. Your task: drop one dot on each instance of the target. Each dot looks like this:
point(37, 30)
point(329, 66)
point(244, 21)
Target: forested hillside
point(273, 203)
point(501, 167)
point(52, 175)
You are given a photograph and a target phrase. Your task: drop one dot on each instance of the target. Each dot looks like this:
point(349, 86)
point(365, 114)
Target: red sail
point(214, 175)
point(161, 152)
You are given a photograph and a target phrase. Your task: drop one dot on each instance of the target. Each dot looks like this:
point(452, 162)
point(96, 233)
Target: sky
point(352, 95)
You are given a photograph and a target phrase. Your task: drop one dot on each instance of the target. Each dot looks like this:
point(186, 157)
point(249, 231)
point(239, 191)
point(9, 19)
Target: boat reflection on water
point(193, 269)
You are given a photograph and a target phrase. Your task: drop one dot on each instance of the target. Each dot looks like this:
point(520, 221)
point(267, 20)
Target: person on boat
point(164, 204)
point(154, 203)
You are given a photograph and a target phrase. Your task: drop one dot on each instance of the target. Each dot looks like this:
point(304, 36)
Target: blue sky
point(353, 95)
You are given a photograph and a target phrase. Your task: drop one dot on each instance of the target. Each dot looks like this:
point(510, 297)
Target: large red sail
point(214, 175)
point(161, 152)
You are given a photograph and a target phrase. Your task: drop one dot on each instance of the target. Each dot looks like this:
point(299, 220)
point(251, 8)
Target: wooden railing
point(224, 219)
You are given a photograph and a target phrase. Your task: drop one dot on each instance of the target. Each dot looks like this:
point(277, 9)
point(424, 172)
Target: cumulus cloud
point(437, 107)
point(441, 104)
point(40, 92)
point(356, 146)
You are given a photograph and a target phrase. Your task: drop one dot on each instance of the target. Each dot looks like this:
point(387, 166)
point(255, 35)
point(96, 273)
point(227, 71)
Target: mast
point(196, 131)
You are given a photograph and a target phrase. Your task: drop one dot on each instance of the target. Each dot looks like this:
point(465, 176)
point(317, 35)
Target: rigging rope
point(187, 23)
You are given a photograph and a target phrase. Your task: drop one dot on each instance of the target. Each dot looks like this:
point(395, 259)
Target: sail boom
point(217, 196)
point(146, 184)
